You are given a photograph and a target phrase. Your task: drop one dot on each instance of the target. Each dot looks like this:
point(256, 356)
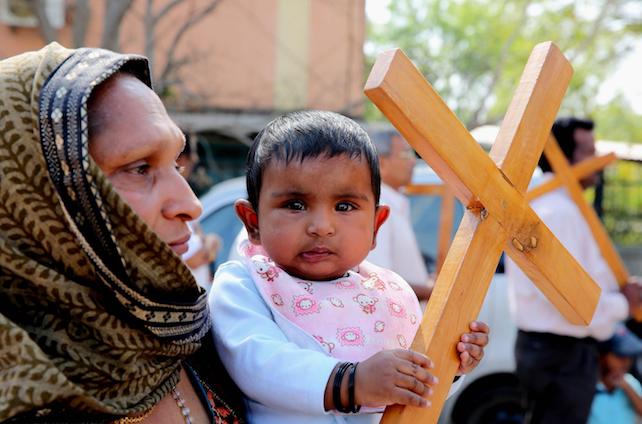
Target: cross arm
point(425, 189)
point(531, 113)
point(580, 170)
point(400, 91)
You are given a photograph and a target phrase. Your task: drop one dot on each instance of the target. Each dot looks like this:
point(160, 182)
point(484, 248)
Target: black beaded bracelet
point(336, 386)
point(352, 406)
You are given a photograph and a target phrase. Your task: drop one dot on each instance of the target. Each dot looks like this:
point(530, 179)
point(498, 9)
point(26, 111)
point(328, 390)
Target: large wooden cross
point(498, 216)
point(570, 177)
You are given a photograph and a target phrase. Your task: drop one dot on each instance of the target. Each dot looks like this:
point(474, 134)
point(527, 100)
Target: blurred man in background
point(397, 247)
point(557, 362)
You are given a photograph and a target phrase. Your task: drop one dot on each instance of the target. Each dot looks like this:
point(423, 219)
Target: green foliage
point(473, 51)
point(616, 121)
point(623, 203)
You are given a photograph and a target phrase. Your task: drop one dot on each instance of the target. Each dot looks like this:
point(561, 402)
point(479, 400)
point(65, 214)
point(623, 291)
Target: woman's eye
point(143, 169)
point(295, 205)
point(140, 169)
point(344, 207)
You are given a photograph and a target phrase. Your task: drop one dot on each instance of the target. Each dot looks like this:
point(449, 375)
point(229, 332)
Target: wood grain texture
point(497, 216)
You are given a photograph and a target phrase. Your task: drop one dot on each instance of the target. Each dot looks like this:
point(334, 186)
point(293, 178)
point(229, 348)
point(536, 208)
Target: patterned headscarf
point(96, 311)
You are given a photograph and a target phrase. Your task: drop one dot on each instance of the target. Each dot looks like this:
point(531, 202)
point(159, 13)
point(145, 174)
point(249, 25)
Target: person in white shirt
point(556, 361)
point(397, 247)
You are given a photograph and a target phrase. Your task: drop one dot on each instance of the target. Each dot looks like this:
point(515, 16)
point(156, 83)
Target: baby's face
point(317, 218)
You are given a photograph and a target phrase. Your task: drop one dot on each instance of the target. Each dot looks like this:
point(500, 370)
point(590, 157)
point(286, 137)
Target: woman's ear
point(250, 219)
point(382, 212)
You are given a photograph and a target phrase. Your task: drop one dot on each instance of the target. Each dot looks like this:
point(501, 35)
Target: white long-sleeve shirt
point(294, 368)
point(530, 308)
point(291, 386)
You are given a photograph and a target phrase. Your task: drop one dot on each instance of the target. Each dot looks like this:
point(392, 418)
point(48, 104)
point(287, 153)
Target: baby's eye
point(344, 207)
point(295, 205)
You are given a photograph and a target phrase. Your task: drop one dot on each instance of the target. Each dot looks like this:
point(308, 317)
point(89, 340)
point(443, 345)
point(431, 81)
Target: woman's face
point(136, 144)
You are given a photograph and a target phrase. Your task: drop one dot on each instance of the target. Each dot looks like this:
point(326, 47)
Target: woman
point(100, 321)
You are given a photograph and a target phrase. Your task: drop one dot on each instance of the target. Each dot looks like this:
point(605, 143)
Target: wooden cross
point(498, 216)
point(579, 171)
point(446, 215)
point(570, 178)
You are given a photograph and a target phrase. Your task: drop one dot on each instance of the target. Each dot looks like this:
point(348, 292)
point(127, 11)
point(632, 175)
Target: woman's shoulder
point(217, 392)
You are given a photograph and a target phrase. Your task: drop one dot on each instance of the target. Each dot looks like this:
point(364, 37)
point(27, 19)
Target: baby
point(308, 330)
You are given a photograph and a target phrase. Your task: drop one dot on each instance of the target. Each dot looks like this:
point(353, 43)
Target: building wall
point(247, 55)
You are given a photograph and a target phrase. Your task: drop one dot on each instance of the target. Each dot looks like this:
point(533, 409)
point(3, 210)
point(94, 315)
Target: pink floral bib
point(352, 317)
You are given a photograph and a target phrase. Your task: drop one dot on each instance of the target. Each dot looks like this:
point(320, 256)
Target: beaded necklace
point(180, 402)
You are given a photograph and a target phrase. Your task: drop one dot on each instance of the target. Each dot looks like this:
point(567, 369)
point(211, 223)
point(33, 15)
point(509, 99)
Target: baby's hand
point(394, 376)
point(471, 347)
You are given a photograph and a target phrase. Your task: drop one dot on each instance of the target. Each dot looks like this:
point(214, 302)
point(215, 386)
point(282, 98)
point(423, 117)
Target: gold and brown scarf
point(95, 310)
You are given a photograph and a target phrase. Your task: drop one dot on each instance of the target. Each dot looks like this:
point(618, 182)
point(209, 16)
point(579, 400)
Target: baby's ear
point(381, 215)
point(250, 219)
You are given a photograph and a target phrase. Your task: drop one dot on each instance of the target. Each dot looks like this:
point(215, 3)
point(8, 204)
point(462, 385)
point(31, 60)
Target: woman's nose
point(181, 201)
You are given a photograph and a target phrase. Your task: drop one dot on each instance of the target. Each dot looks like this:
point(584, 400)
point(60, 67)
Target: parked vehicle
point(490, 394)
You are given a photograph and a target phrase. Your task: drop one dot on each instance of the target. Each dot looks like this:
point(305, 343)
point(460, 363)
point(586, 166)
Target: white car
point(490, 394)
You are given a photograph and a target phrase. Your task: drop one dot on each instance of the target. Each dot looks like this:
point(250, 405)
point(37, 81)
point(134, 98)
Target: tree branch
point(47, 31)
point(499, 66)
point(150, 38)
point(172, 64)
point(596, 28)
point(165, 10)
point(82, 12)
point(114, 12)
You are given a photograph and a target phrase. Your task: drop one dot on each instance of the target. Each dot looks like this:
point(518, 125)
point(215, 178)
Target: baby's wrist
point(344, 388)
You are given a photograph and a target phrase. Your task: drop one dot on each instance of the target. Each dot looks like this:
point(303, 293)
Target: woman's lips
point(180, 247)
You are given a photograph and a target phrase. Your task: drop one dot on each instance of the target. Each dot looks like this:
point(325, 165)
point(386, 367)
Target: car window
point(223, 222)
point(425, 211)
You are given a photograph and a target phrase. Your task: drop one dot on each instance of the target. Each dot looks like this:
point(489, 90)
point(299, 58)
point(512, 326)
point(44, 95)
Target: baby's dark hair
point(309, 135)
